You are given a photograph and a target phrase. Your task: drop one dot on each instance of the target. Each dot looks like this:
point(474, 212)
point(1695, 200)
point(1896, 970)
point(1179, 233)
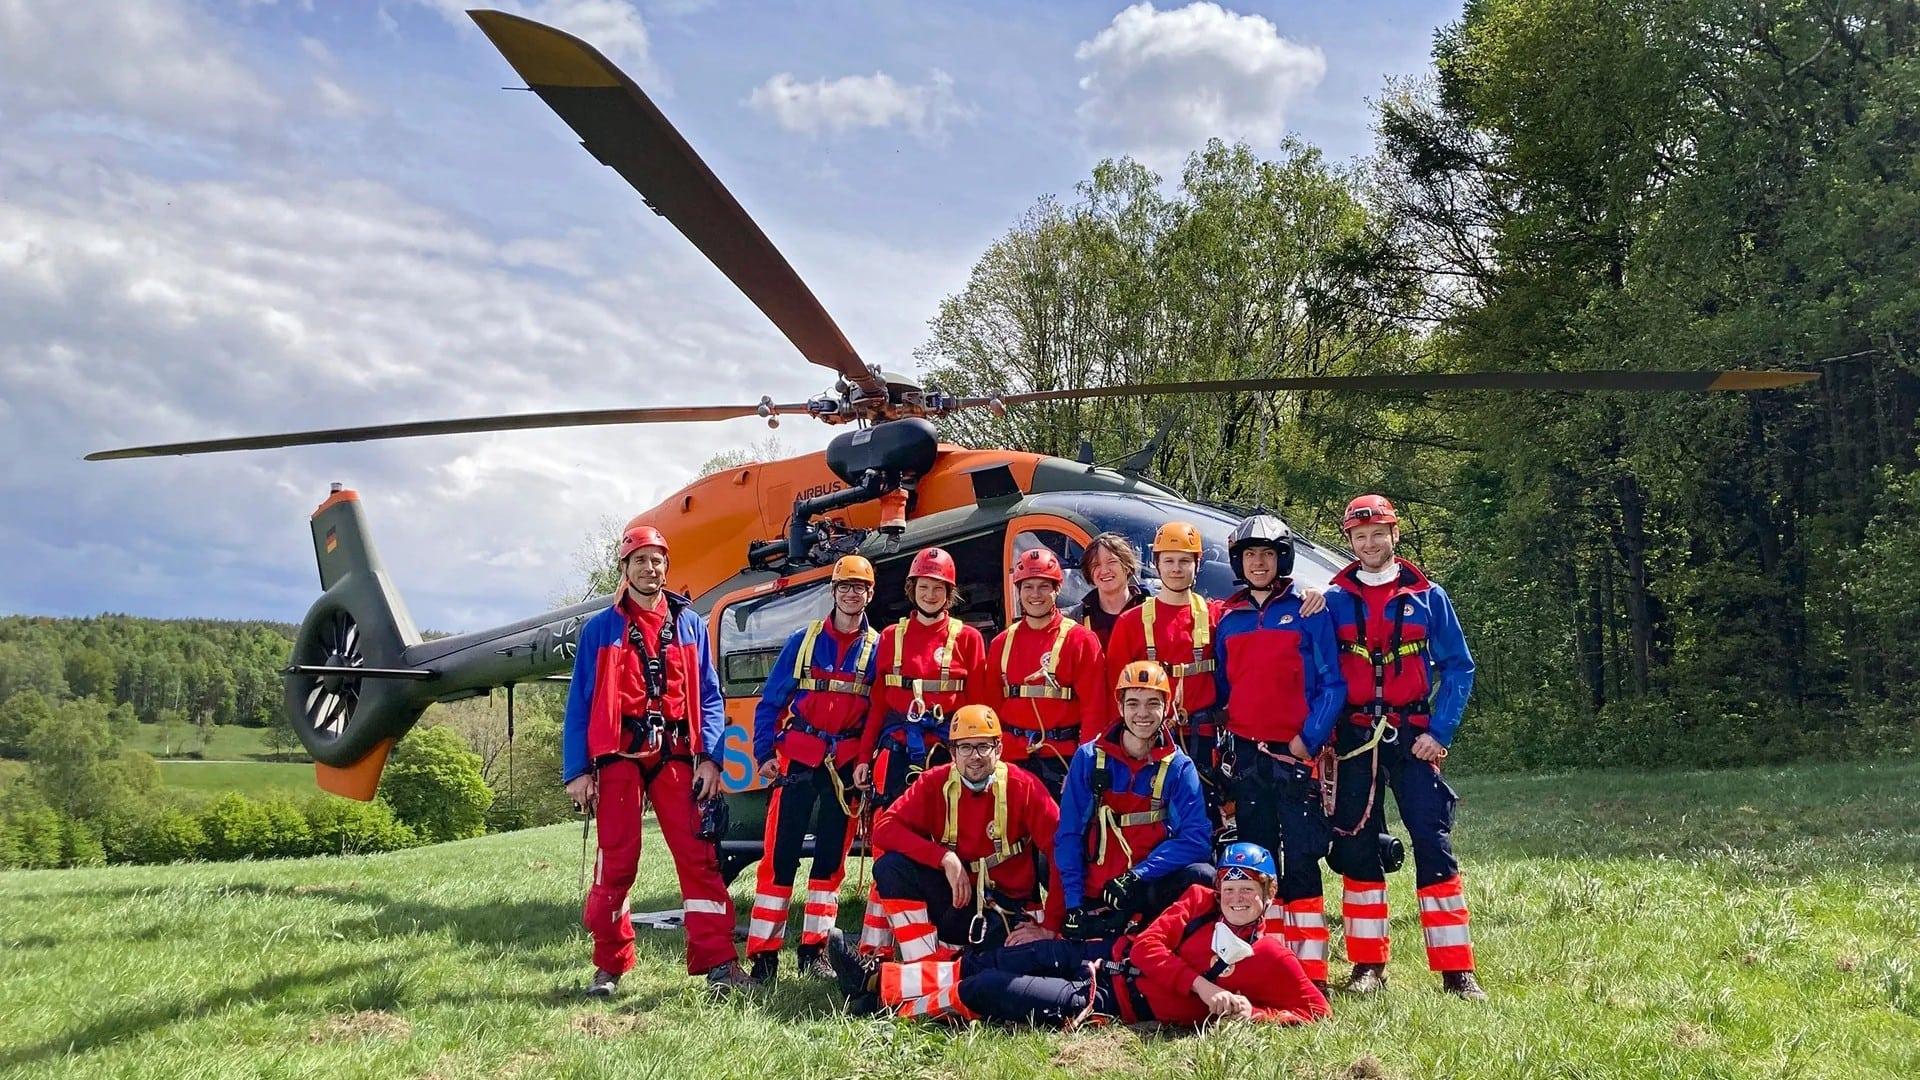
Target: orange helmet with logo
point(974, 722)
point(853, 568)
point(1178, 536)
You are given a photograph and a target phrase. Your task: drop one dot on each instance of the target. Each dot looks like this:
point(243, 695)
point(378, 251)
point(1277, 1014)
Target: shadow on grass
point(137, 1022)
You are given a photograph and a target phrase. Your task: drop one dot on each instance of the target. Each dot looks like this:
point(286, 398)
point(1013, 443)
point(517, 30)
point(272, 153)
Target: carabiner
point(977, 928)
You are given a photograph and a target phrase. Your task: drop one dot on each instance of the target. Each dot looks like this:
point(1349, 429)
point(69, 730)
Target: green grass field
point(258, 779)
point(1739, 924)
point(228, 743)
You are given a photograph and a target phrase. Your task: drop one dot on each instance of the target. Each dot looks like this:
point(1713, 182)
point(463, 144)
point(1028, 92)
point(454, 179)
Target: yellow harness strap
point(922, 687)
point(950, 834)
point(1411, 648)
point(803, 664)
point(1202, 647)
point(1049, 663)
point(1111, 823)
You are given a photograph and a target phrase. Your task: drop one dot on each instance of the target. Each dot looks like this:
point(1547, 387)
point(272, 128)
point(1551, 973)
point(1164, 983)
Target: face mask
point(1229, 946)
point(1382, 576)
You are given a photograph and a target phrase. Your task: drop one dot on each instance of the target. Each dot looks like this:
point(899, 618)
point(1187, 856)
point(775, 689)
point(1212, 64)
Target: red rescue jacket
point(1177, 948)
point(1071, 710)
point(915, 825)
point(1173, 647)
point(896, 669)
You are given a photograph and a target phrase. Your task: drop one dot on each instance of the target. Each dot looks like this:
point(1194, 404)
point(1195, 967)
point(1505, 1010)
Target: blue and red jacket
point(820, 715)
point(1276, 671)
point(608, 684)
point(1410, 626)
point(1183, 836)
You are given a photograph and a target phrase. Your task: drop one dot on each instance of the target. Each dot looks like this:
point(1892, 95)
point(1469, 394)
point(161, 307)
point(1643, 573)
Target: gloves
point(1122, 891)
point(1074, 926)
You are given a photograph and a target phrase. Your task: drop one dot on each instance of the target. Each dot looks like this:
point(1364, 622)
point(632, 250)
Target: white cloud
point(612, 26)
point(158, 61)
point(1160, 83)
point(858, 101)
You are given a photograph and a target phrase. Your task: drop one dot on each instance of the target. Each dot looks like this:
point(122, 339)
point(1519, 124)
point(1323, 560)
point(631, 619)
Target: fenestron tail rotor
point(335, 693)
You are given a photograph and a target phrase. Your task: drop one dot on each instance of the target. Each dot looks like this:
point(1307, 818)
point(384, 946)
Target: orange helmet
point(641, 536)
point(974, 722)
point(853, 568)
point(1040, 563)
point(1178, 536)
point(933, 563)
point(1143, 675)
point(1369, 510)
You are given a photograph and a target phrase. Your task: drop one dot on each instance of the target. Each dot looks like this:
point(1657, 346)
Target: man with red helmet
point(806, 738)
point(1174, 628)
point(644, 718)
point(927, 666)
point(1045, 675)
point(1277, 676)
point(1408, 674)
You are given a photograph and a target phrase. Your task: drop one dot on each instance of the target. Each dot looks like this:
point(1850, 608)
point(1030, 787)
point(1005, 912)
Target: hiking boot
point(1463, 985)
point(814, 964)
point(766, 967)
point(1367, 979)
point(727, 979)
point(1320, 985)
point(604, 985)
point(856, 974)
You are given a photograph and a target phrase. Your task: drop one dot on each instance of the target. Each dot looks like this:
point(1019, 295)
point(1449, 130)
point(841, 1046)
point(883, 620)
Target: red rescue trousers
point(709, 909)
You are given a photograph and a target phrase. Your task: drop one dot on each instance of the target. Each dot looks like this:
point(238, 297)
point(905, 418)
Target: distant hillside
point(211, 670)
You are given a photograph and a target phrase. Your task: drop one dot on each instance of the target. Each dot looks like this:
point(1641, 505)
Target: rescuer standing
point(1045, 675)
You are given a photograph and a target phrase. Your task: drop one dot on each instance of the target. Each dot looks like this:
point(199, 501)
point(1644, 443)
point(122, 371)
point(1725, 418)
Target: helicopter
point(753, 545)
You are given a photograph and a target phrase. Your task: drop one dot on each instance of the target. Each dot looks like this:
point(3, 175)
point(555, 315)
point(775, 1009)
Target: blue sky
point(231, 217)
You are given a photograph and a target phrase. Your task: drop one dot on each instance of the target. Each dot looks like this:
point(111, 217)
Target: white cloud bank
point(858, 101)
point(1160, 83)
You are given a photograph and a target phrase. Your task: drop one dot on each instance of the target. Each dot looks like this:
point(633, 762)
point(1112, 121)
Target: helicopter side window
point(1070, 553)
point(752, 633)
point(976, 562)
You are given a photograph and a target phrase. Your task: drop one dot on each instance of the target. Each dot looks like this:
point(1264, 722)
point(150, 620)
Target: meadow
point(1746, 923)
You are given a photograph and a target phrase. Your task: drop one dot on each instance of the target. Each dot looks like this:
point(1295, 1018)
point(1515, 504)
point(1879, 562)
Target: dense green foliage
point(184, 671)
point(1744, 923)
point(433, 783)
point(1687, 579)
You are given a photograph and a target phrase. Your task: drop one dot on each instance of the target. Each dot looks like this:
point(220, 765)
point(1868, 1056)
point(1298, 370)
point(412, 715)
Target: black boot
point(766, 967)
point(1367, 979)
point(727, 979)
point(858, 976)
point(604, 985)
point(813, 963)
point(1463, 985)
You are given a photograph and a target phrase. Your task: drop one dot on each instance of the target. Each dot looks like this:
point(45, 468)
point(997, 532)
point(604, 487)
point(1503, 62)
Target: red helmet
point(641, 536)
point(1369, 510)
point(933, 563)
point(1038, 563)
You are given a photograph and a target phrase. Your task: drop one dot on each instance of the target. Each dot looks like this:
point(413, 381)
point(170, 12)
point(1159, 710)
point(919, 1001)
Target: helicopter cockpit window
point(752, 633)
point(976, 562)
point(1070, 553)
point(1137, 517)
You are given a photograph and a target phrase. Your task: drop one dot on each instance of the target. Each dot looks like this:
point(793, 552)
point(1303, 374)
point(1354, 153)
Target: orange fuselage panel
point(710, 522)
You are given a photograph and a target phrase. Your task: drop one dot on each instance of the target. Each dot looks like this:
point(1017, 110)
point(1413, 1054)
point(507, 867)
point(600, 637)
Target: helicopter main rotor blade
point(1619, 381)
point(621, 127)
point(514, 422)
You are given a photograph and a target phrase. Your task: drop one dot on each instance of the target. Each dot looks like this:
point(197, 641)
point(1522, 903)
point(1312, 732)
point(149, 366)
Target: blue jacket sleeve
point(1451, 667)
point(776, 697)
point(1189, 831)
point(1326, 687)
point(1070, 839)
point(573, 730)
point(713, 707)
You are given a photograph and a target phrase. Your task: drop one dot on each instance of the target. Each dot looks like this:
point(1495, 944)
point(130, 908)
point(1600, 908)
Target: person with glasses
point(806, 739)
point(959, 870)
point(1408, 674)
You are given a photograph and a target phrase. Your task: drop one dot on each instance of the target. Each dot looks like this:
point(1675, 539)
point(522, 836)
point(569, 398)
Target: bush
point(169, 835)
point(40, 839)
point(11, 855)
point(19, 715)
point(435, 785)
point(347, 827)
point(80, 844)
point(288, 834)
point(235, 827)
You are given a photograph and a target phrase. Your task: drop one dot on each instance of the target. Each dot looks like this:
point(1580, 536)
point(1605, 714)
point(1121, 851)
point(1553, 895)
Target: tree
point(434, 784)
point(70, 756)
point(19, 715)
point(24, 667)
point(91, 673)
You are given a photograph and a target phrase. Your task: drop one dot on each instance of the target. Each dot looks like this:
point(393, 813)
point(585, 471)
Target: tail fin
point(348, 722)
